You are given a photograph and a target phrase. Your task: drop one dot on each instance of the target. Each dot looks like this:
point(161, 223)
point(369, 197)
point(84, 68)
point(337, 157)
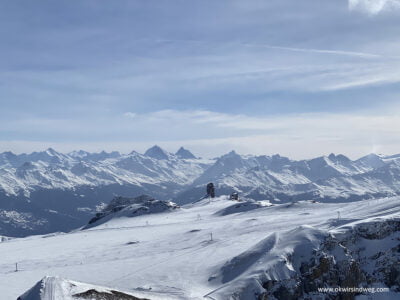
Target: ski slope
point(210, 249)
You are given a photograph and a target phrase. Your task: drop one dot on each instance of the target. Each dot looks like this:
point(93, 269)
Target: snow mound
point(55, 288)
point(241, 207)
point(241, 263)
point(276, 257)
point(4, 238)
point(131, 207)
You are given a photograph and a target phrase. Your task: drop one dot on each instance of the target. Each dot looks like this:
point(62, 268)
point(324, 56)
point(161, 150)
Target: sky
point(298, 78)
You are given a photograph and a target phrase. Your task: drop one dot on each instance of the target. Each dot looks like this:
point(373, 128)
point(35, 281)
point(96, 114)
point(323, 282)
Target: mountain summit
point(156, 152)
point(184, 153)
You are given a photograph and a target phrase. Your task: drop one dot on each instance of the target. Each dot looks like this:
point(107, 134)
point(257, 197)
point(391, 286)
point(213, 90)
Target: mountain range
point(49, 191)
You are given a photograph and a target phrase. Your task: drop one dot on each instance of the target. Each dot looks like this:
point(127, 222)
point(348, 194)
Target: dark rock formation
point(156, 152)
point(184, 153)
point(92, 294)
point(343, 262)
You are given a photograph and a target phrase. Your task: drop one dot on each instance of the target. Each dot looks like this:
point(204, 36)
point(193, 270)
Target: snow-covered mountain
point(24, 174)
point(216, 249)
point(279, 179)
point(50, 191)
point(184, 153)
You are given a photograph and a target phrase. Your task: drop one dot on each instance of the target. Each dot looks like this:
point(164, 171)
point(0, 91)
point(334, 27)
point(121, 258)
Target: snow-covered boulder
point(242, 206)
point(4, 238)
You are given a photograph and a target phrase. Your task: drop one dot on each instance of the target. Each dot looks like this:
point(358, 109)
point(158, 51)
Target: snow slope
point(208, 249)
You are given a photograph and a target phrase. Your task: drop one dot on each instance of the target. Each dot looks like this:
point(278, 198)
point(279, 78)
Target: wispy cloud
point(320, 51)
point(130, 115)
point(164, 72)
point(297, 135)
point(212, 133)
point(373, 6)
point(331, 123)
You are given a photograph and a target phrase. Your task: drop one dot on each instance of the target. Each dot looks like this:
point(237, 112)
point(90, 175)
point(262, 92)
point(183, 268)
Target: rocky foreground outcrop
point(364, 256)
point(131, 207)
point(55, 288)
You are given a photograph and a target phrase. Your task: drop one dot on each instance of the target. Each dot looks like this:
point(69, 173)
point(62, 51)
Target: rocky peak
point(184, 153)
point(157, 153)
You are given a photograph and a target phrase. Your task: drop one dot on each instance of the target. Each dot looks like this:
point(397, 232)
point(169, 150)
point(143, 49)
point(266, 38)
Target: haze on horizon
point(298, 78)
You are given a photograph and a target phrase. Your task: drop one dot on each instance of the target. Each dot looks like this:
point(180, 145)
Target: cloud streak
point(268, 76)
point(319, 51)
point(374, 7)
point(213, 133)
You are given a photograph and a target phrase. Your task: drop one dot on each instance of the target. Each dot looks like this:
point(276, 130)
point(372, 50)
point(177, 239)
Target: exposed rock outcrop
point(364, 256)
point(131, 207)
point(50, 288)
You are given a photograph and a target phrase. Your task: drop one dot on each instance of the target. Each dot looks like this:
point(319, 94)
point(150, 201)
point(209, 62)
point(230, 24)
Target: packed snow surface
point(209, 249)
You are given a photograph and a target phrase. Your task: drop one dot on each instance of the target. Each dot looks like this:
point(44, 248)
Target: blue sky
point(300, 78)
